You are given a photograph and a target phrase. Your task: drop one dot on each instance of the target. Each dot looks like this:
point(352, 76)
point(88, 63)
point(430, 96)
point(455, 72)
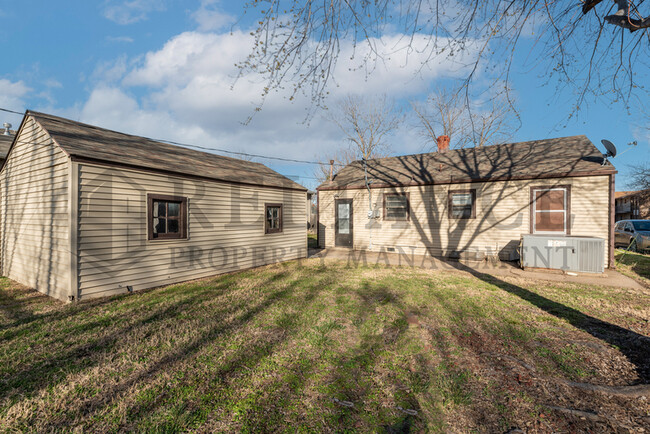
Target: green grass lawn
point(635, 265)
point(312, 241)
point(319, 346)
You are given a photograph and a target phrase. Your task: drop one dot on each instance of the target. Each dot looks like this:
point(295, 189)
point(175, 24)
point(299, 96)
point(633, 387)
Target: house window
point(273, 218)
point(462, 204)
point(167, 217)
point(396, 206)
point(550, 209)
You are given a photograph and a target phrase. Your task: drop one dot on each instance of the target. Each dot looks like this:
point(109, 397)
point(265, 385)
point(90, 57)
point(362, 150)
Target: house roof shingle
point(89, 142)
point(565, 156)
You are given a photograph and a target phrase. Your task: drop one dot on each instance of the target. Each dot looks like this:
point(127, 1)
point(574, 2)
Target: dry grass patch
point(634, 265)
point(323, 346)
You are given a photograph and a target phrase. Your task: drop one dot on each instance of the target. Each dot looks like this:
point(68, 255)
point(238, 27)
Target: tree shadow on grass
point(51, 370)
point(245, 357)
point(266, 406)
point(354, 376)
point(634, 346)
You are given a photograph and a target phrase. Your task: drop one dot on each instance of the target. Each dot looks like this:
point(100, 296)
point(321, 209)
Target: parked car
point(632, 234)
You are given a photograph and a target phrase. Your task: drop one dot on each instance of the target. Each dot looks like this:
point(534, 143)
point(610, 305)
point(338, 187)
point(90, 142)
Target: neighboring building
point(632, 205)
point(88, 212)
point(312, 219)
point(472, 202)
point(6, 137)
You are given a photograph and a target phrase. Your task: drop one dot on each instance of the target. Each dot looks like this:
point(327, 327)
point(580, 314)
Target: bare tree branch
point(298, 42)
point(444, 113)
point(366, 123)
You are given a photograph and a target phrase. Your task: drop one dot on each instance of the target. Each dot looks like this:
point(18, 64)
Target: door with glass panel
point(343, 222)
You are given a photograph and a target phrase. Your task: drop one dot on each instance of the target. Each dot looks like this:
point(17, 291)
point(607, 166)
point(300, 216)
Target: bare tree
point(639, 178)
point(339, 159)
point(586, 44)
point(446, 113)
point(442, 114)
point(366, 122)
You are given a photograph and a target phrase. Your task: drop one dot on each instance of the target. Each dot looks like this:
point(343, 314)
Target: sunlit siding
point(34, 215)
point(502, 216)
point(225, 230)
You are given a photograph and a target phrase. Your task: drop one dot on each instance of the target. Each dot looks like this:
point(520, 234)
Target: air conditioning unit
point(567, 253)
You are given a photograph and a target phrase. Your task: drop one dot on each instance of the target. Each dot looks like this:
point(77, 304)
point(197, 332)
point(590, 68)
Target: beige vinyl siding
point(225, 230)
point(34, 213)
point(502, 216)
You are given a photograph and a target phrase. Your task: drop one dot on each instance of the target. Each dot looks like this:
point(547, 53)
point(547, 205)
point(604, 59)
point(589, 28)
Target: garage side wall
point(34, 214)
point(225, 230)
point(502, 216)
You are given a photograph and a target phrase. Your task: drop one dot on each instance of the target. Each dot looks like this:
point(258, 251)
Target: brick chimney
point(331, 170)
point(443, 143)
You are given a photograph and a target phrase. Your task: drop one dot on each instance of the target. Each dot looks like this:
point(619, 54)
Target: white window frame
point(564, 211)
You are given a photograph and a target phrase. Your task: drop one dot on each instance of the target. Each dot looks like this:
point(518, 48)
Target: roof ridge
point(95, 127)
point(474, 148)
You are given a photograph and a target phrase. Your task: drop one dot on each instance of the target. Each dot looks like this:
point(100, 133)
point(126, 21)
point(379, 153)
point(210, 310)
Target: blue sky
point(165, 69)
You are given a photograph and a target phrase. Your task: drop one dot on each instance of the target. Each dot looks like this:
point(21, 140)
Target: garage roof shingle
point(89, 142)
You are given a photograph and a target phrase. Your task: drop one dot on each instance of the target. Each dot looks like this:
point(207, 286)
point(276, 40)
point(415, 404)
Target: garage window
point(273, 218)
point(167, 217)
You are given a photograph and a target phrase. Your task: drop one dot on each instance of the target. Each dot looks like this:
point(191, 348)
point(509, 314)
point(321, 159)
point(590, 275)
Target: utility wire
point(12, 111)
point(294, 177)
point(205, 148)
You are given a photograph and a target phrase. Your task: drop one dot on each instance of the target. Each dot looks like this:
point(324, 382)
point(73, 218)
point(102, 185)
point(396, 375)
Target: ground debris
point(636, 391)
point(588, 415)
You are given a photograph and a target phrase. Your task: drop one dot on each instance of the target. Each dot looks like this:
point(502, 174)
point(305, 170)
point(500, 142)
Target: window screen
point(462, 204)
point(396, 207)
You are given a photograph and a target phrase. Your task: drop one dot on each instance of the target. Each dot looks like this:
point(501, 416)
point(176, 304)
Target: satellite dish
point(611, 150)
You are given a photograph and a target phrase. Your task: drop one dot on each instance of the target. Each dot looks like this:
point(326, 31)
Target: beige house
point(89, 212)
point(473, 202)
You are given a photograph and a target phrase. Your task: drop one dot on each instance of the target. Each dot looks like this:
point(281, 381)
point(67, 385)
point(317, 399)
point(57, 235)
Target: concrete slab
point(498, 269)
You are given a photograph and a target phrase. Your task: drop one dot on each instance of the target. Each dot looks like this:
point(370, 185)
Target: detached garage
point(89, 212)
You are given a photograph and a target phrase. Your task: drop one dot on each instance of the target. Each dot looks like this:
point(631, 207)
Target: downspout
point(370, 213)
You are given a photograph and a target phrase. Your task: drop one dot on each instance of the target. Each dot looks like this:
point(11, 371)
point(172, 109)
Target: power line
point(12, 111)
point(205, 148)
point(293, 177)
point(290, 160)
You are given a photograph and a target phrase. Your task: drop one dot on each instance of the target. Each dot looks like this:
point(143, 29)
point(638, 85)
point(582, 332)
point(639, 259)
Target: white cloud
point(53, 83)
point(12, 94)
point(110, 71)
point(12, 97)
point(210, 18)
point(404, 65)
point(124, 39)
point(187, 91)
point(129, 12)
